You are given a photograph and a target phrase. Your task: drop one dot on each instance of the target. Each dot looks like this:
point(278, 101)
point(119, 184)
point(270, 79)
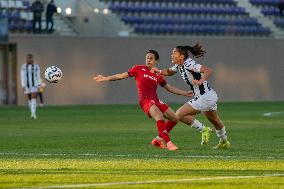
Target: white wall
point(244, 69)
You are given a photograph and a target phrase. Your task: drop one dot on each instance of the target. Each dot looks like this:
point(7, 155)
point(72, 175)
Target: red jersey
point(146, 81)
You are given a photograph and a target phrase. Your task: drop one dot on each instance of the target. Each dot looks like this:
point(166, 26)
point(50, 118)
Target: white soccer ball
point(53, 74)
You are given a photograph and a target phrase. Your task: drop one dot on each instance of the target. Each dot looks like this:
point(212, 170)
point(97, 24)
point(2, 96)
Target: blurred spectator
point(50, 10)
point(37, 8)
point(281, 7)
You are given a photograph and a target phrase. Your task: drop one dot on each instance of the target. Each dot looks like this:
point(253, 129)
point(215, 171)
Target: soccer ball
point(53, 74)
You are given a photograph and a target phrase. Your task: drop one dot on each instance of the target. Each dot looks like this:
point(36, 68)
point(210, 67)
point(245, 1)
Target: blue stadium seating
point(200, 29)
point(198, 17)
point(264, 2)
point(270, 9)
point(279, 23)
point(193, 21)
point(15, 11)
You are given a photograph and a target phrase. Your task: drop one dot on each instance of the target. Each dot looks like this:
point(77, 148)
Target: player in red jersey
point(146, 82)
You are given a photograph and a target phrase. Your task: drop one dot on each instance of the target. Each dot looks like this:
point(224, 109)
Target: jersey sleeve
point(23, 70)
point(37, 75)
point(174, 68)
point(161, 80)
point(132, 72)
point(192, 65)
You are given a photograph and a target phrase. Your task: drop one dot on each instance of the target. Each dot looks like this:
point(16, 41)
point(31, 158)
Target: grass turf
point(111, 143)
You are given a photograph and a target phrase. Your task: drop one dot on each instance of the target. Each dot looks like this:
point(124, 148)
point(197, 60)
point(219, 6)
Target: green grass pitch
point(108, 146)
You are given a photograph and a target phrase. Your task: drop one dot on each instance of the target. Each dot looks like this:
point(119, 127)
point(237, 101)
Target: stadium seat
point(200, 17)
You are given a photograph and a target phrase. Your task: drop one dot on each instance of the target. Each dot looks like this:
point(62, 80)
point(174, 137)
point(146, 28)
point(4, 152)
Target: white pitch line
point(158, 181)
point(267, 114)
point(138, 156)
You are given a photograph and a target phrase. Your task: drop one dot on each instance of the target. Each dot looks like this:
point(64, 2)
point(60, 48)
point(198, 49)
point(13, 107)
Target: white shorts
point(205, 102)
point(29, 90)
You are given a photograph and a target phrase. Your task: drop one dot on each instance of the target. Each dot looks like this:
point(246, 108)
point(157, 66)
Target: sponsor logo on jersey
point(150, 77)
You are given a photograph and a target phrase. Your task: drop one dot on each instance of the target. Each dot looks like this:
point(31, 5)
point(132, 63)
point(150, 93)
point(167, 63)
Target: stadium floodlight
point(96, 10)
point(58, 10)
point(105, 11)
point(68, 11)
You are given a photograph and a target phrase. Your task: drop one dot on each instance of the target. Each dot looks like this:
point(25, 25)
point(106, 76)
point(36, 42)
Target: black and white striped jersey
point(30, 75)
point(190, 71)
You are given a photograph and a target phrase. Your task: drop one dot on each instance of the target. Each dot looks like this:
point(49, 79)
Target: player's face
point(177, 58)
point(150, 60)
point(30, 59)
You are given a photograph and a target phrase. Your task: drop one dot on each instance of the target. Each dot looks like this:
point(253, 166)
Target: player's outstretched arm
point(177, 91)
point(207, 72)
point(101, 78)
point(164, 72)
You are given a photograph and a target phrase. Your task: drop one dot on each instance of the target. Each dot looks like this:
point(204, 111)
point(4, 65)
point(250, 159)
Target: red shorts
point(147, 103)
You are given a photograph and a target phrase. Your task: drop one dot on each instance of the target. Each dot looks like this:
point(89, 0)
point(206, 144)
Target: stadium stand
point(18, 15)
point(170, 17)
point(20, 18)
point(270, 9)
point(187, 17)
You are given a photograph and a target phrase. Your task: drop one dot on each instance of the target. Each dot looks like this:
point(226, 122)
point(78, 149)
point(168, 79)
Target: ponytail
point(196, 51)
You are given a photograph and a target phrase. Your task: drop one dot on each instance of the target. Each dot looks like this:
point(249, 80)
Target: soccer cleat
point(207, 131)
point(33, 116)
point(158, 143)
point(171, 146)
point(223, 144)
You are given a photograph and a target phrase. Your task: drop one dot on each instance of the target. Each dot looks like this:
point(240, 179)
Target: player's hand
point(189, 94)
point(197, 82)
point(99, 78)
point(155, 70)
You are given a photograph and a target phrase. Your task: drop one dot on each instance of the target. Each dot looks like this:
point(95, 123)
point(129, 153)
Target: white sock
point(197, 125)
point(33, 106)
point(222, 133)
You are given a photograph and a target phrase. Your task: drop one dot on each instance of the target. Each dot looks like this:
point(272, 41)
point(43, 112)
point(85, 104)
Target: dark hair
point(196, 51)
point(155, 53)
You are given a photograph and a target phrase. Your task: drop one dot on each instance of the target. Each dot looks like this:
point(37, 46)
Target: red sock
point(170, 125)
point(162, 130)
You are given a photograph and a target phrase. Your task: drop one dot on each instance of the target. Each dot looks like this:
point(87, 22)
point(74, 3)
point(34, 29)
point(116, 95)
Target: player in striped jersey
point(205, 98)
point(30, 80)
point(147, 82)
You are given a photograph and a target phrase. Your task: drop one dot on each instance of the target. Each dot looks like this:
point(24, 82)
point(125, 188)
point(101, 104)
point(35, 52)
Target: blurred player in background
point(40, 92)
point(205, 98)
point(147, 82)
point(30, 80)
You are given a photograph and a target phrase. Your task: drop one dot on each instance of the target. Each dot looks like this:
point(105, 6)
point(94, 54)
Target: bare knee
point(173, 118)
point(178, 115)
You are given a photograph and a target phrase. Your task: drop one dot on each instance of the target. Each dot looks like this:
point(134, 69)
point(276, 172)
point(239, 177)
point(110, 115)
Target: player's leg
point(172, 119)
point(156, 113)
point(186, 114)
point(213, 117)
point(40, 94)
point(29, 96)
point(33, 105)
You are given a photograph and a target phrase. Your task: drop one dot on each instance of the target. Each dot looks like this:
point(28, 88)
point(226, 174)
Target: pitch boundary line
point(138, 156)
point(267, 114)
point(158, 181)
